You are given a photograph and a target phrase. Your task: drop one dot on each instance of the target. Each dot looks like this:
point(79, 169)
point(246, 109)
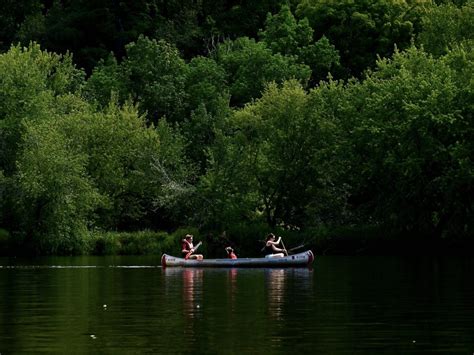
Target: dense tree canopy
point(414, 124)
point(363, 29)
point(151, 114)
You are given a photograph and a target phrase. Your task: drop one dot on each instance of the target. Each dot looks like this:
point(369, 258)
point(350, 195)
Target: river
point(360, 304)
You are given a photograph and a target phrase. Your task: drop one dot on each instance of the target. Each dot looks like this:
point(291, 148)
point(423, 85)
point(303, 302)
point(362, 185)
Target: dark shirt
point(269, 249)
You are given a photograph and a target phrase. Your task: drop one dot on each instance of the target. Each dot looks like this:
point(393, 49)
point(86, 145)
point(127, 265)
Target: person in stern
point(188, 248)
point(271, 249)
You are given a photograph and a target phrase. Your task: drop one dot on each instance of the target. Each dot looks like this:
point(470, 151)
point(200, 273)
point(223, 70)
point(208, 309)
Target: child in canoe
point(230, 253)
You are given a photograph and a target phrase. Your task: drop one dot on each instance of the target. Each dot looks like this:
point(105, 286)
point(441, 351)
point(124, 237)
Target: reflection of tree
point(275, 285)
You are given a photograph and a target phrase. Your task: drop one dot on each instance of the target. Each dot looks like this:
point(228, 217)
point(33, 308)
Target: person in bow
point(188, 249)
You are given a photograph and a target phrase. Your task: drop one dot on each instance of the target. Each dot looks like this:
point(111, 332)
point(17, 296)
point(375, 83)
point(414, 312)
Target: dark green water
point(343, 305)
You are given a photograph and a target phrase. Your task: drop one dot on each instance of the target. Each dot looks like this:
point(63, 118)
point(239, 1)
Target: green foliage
point(29, 75)
point(4, 242)
point(323, 59)
point(179, 22)
point(136, 243)
point(57, 194)
point(85, 169)
point(274, 166)
point(155, 76)
point(13, 14)
point(152, 74)
point(230, 19)
point(33, 28)
point(362, 30)
point(250, 65)
point(29, 80)
point(445, 26)
point(106, 83)
point(88, 29)
point(120, 151)
point(173, 173)
point(413, 135)
point(205, 84)
point(284, 34)
point(256, 136)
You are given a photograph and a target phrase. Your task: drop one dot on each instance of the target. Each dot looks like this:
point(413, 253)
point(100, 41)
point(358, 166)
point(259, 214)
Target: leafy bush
point(138, 243)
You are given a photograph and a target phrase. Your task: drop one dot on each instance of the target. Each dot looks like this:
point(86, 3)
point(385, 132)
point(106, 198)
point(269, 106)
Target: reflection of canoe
point(301, 259)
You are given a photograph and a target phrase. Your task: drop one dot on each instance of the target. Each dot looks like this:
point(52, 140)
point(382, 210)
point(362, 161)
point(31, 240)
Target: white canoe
point(296, 260)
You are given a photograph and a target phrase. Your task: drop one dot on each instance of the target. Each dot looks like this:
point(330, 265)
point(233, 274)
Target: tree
point(284, 34)
point(29, 80)
point(107, 82)
point(13, 14)
point(57, 195)
point(363, 30)
point(83, 27)
point(275, 164)
point(69, 166)
point(205, 84)
point(208, 105)
point(250, 65)
point(81, 169)
point(155, 75)
point(175, 175)
point(445, 26)
point(413, 133)
point(234, 19)
point(120, 150)
point(152, 74)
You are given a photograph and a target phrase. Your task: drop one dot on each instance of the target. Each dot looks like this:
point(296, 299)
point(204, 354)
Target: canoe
point(297, 260)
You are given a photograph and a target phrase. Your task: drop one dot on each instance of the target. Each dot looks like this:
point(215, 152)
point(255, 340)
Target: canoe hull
point(297, 260)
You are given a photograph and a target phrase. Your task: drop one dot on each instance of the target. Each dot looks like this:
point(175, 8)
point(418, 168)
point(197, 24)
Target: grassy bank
point(248, 241)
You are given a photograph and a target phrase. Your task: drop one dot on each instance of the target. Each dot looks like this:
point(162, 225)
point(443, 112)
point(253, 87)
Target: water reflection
point(278, 288)
point(191, 288)
point(192, 292)
point(232, 288)
point(275, 286)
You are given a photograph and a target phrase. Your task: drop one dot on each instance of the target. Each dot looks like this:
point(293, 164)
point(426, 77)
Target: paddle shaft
point(283, 245)
point(295, 248)
point(195, 248)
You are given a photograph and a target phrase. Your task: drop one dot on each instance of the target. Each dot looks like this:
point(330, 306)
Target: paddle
point(283, 245)
point(295, 248)
point(195, 248)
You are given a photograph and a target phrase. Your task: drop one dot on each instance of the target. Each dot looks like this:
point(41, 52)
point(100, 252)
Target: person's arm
point(277, 249)
point(186, 248)
point(274, 243)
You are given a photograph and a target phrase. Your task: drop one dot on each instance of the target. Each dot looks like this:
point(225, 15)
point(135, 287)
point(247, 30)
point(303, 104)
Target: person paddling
point(271, 249)
point(188, 248)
